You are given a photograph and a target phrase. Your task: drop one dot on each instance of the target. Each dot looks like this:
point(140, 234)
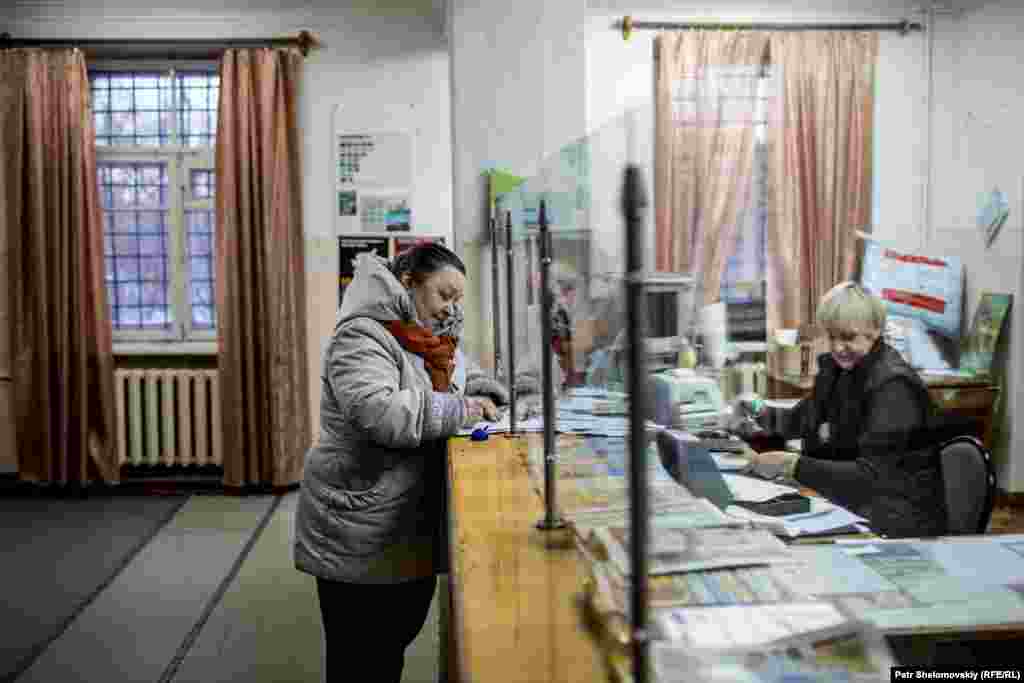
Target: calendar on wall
point(373, 181)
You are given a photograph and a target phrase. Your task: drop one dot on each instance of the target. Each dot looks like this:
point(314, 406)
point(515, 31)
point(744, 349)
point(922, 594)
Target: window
point(739, 97)
point(155, 132)
point(744, 277)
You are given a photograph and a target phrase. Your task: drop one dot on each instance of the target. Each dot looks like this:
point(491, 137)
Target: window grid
point(201, 268)
point(748, 263)
point(158, 246)
point(742, 95)
point(133, 108)
point(197, 116)
point(155, 109)
point(134, 199)
point(201, 182)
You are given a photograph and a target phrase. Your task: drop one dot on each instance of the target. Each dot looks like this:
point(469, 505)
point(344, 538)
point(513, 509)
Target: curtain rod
point(627, 26)
point(195, 48)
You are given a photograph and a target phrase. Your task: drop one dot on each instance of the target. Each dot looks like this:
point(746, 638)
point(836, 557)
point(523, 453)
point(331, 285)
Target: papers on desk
point(825, 571)
point(729, 462)
point(744, 626)
point(682, 549)
point(694, 514)
point(751, 490)
point(823, 518)
point(851, 651)
point(569, 422)
point(502, 426)
point(598, 494)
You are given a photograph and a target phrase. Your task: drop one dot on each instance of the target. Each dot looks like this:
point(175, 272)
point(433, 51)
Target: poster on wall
point(979, 347)
point(368, 160)
point(351, 246)
point(386, 246)
point(992, 212)
point(347, 203)
point(402, 244)
point(373, 180)
point(388, 212)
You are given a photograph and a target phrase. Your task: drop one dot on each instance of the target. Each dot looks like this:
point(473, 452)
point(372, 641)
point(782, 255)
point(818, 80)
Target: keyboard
point(724, 445)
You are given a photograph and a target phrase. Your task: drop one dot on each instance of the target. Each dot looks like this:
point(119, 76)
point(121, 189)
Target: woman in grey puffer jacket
point(370, 523)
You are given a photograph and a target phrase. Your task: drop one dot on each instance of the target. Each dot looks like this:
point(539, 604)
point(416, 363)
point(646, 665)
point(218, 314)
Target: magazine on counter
point(695, 513)
point(851, 650)
point(738, 586)
point(683, 549)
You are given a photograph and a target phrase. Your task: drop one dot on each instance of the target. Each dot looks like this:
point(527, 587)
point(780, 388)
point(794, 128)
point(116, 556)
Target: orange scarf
point(438, 353)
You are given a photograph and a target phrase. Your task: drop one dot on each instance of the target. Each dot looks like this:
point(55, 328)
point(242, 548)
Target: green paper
point(502, 182)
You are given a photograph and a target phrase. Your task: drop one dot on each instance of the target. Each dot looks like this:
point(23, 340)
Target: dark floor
point(1007, 519)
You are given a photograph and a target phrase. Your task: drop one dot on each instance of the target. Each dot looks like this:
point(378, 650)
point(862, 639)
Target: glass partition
point(580, 187)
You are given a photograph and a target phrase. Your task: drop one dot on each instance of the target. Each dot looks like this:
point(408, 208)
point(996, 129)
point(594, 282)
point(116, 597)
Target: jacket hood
point(375, 293)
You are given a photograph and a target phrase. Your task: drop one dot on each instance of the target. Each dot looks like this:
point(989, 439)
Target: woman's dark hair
point(424, 260)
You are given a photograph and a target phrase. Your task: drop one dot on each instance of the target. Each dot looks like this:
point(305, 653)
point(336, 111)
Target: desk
point(964, 396)
point(516, 613)
point(516, 591)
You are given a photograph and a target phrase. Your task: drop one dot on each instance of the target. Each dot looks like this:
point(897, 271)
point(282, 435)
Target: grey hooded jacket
point(371, 506)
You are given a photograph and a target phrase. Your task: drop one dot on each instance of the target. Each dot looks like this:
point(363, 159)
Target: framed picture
point(980, 344)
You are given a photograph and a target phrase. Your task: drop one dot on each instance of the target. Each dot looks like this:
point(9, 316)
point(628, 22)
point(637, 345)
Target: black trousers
point(367, 627)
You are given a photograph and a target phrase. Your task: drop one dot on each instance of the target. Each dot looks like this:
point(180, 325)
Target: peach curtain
point(706, 86)
point(820, 141)
point(260, 263)
point(62, 366)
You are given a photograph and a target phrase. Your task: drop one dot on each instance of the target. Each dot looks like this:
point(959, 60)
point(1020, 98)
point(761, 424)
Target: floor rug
point(57, 554)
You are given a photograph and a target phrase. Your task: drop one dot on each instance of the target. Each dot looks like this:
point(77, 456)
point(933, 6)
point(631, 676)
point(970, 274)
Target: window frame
point(180, 159)
point(202, 159)
point(766, 90)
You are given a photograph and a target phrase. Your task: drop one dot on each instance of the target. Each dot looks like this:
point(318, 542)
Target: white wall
point(517, 96)
point(977, 146)
point(385, 66)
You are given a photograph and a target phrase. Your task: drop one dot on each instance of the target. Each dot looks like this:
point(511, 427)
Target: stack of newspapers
point(727, 603)
point(844, 650)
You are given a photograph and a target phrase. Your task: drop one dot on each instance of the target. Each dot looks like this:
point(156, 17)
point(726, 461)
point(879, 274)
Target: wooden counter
point(516, 591)
point(517, 614)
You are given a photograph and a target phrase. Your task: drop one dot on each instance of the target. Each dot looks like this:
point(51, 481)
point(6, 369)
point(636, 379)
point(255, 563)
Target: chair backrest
point(970, 483)
point(690, 463)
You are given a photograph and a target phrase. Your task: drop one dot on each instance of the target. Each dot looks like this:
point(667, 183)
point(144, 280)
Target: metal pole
point(551, 519)
point(495, 294)
point(634, 199)
point(510, 282)
point(627, 25)
point(195, 48)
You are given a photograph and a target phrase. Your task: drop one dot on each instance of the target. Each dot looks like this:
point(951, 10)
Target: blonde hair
point(847, 305)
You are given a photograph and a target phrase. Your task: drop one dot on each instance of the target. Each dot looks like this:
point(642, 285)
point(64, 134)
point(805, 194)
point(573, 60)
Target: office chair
point(970, 483)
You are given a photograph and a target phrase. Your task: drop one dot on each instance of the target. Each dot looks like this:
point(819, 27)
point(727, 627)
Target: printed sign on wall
point(373, 181)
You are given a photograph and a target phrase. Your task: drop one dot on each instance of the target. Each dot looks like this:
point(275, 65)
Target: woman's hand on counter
point(479, 408)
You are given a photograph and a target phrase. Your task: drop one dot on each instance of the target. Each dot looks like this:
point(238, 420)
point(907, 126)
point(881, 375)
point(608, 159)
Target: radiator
point(168, 417)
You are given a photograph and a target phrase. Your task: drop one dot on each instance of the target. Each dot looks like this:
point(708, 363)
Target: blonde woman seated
point(864, 426)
